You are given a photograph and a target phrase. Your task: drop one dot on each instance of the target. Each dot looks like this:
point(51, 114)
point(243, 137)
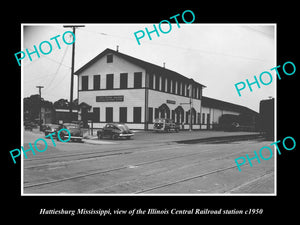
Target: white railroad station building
point(123, 89)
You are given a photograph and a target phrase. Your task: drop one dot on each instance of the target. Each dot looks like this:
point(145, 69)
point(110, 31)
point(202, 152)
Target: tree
point(32, 106)
point(65, 104)
point(61, 104)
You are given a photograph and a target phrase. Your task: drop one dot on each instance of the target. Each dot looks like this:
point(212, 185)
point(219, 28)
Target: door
point(107, 130)
point(208, 121)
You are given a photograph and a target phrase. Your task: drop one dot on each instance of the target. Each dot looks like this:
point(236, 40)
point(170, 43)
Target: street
point(150, 163)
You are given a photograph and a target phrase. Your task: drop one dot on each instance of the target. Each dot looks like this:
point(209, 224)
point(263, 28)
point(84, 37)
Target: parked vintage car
point(166, 125)
point(51, 128)
point(74, 129)
point(115, 131)
point(29, 125)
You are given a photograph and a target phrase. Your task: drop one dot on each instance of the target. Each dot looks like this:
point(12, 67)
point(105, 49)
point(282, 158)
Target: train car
point(266, 121)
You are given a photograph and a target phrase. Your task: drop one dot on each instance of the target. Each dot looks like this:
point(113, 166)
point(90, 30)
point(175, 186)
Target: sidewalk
point(181, 137)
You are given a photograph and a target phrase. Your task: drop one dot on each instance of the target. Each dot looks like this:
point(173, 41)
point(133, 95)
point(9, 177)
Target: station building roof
point(218, 104)
point(149, 67)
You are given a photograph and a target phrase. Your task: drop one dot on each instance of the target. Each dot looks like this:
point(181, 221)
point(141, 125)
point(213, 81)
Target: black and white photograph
point(126, 111)
point(144, 109)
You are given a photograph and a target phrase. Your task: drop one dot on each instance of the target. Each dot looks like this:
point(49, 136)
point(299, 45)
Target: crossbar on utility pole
point(72, 67)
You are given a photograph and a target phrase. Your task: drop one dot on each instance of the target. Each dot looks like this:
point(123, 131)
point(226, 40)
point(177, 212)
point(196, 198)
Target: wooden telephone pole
point(40, 92)
point(72, 67)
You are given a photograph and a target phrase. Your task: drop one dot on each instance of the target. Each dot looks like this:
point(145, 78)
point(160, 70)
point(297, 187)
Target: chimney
point(164, 65)
point(117, 48)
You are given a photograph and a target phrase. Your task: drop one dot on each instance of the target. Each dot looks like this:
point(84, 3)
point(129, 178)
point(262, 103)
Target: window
point(199, 93)
point(173, 86)
point(198, 117)
point(194, 116)
point(96, 82)
point(187, 119)
point(109, 81)
point(84, 83)
point(123, 80)
point(169, 85)
point(163, 84)
point(151, 81)
point(183, 89)
point(187, 90)
point(137, 114)
point(96, 112)
point(109, 114)
point(156, 113)
point(137, 80)
point(178, 88)
point(109, 58)
point(123, 114)
point(150, 115)
point(203, 118)
point(157, 82)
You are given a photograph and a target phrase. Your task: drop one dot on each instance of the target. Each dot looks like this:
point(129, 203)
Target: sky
point(215, 55)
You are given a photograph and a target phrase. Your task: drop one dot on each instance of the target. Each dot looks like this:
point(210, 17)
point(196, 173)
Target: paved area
point(151, 163)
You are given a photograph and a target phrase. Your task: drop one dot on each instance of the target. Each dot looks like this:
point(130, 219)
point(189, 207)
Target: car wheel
point(115, 136)
point(57, 138)
point(61, 136)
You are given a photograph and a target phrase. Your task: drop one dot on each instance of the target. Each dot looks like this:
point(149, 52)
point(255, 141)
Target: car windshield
point(71, 126)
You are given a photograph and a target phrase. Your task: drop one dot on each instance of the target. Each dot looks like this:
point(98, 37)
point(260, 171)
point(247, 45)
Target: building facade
point(121, 88)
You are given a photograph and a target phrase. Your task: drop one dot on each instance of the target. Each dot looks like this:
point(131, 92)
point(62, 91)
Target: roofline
point(132, 60)
point(241, 107)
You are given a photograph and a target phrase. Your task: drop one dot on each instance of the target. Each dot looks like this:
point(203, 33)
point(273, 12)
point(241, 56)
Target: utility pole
point(72, 67)
point(40, 92)
point(191, 95)
point(190, 113)
point(190, 88)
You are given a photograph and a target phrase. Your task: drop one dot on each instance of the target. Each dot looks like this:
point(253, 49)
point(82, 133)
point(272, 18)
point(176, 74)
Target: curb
point(230, 138)
point(220, 138)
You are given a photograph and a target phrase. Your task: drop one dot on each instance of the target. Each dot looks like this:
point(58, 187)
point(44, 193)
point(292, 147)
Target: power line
point(186, 48)
point(59, 66)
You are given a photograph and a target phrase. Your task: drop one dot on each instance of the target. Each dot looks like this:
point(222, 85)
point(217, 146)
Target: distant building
point(213, 110)
point(121, 88)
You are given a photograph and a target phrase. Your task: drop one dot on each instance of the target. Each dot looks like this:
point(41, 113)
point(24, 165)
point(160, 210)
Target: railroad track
point(101, 171)
point(267, 174)
point(69, 158)
point(184, 179)
point(206, 174)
